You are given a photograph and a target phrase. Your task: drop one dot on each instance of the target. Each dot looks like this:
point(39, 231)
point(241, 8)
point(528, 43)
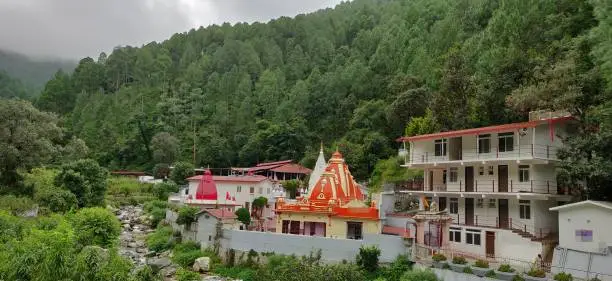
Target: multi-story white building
point(497, 182)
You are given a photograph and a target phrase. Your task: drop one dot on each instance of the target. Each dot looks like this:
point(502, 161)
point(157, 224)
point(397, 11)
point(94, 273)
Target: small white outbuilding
point(585, 240)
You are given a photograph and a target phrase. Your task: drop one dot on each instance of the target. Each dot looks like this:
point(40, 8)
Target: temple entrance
point(433, 234)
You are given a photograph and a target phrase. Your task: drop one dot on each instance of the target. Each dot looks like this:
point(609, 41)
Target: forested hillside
point(12, 88)
point(351, 76)
point(32, 73)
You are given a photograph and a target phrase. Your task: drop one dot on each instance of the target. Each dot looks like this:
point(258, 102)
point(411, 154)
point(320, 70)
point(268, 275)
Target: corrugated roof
point(601, 204)
point(254, 178)
point(292, 168)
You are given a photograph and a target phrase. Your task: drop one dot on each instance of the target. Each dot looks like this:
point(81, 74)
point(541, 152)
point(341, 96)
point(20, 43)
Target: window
point(454, 234)
point(481, 170)
point(440, 147)
point(472, 236)
point(239, 189)
point(524, 173)
point(479, 203)
point(484, 143)
point(584, 235)
point(354, 230)
point(209, 238)
point(506, 142)
point(525, 209)
point(444, 176)
point(285, 226)
point(251, 190)
point(454, 174)
point(261, 190)
point(492, 203)
point(491, 170)
point(454, 206)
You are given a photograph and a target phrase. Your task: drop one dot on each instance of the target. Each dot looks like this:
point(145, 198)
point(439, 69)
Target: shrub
point(438, 257)
point(368, 258)
point(505, 268)
point(16, 205)
point(446, 266)
point(160, 240)
point(467, 270)
point(419, 275)
point(187, 215)
point(185, 254)
point(96, 226)
point(180, 172)
point(86, 180)
point(491, 274)
point(536, 272)
point(186, 275)
point(157, 210)
point(518, 277)
point(459, 260)
point(396, 269)
point(481, 264)
point(146, 273)
point(56, 199)
point(162, 190)
point(562, 276)
point(243, 216)
point(161, 171)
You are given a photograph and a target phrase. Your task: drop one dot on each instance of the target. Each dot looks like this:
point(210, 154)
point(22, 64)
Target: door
point(469, 179)
point(430, 180)
point(502, 208)
point(442, 203)
point(469, 211)
point(490, 244)
point(294, 227)
point(502, 178)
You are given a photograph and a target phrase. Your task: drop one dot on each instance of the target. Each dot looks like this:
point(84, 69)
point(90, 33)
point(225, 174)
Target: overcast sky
point(77, 28)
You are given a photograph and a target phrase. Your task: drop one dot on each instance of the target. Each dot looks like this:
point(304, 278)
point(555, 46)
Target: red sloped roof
point(277, 163)
point(221, 214)
point(394, 230)
point(255, 178)
point(292, 168)
point(489, 129)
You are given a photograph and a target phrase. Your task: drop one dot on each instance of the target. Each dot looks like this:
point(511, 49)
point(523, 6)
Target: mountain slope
point(352, 77)
point(34, 73)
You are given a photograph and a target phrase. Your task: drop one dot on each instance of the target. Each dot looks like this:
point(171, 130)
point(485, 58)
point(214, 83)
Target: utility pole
point(194, 142)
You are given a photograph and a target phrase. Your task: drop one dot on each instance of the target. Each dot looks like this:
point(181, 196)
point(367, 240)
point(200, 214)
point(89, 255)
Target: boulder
point(168, 271)
point(132, 245)
point(159, 263)
point(202, 264)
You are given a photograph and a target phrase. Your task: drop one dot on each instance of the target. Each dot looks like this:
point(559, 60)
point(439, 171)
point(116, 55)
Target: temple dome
point(207, 189)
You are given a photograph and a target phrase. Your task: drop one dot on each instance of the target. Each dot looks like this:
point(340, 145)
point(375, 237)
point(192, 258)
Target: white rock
point(202, 264)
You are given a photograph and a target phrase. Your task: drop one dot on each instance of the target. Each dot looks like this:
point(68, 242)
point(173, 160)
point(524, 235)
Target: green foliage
point(536, 272)
point(419, 275)
point(187, 215)
point(165, 147)
point(29, 138)
point(10, 227)
point(422, 125)
point(481, 264)
point(562, 276)
point(459, 260)
point(490, 274)
point(396, 269)
point(180, 172)
point(505, 268)
point(96, 226)
point(33, 72)
point(467, 270)
point(161, 171)
point(438, 257)
point(187, 275)
point(162, 190)
point(291, 186)
point(97, 264)
point(16, 205)
point(390, 171)
point(11, 87)
point(157, 210)
point(243, 216)
point(368, 258)
point(146, 273)
point(86, 180)
point(161, 239)
point(185, 254)
point(518, 277)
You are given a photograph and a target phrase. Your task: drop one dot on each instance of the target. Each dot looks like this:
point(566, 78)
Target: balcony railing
point(531, 151)
point(492, 186)
point(534, 231)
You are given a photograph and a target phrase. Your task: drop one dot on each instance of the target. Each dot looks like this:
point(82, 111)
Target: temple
point(318, 170)
point(333, 208)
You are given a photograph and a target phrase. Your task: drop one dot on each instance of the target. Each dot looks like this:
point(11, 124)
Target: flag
point(227, 196)
point(424, 202)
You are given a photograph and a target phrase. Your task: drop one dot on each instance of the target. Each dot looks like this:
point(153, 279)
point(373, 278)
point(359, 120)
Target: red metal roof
point(489, 129)
point(220, 214)
point(277, 163)
point(292, 168)
point(255, 178)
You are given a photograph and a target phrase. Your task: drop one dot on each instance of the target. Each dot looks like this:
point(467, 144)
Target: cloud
point(78, 28)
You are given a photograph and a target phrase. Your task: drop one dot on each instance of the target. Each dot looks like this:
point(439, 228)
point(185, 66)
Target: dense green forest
point(352, 77)
point(32, 73)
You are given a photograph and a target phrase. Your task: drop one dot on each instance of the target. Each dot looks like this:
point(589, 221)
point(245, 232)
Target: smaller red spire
point(207, 189)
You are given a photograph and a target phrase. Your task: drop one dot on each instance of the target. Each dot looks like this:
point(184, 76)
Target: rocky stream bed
point(135, 227)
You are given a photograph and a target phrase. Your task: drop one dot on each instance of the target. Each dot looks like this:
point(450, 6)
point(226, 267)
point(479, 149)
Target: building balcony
point(515, 153)
point(529, 231)
point(484, 186)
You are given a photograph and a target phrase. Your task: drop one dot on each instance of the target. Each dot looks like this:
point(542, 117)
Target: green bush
point(16, 205)
point(446, 266)
point(161, 239)
point(56, 199)
point(536, 272)
point(367, 258)
point(184, 254)
point(481, 264)
point(396, 269)
point(157, 210)
point(86, 180)
point(180, 172)
point(419, 275)
point(243, 216)
point(467, 270)
point(491, 274)
point(96, 226)
point(505, 268)
point(459, 260)
point(438, 257)
point(187, 215)
point(146, 273)
point(562, 276)
point(162, 190)
point(518, 277)
point(186, 275)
